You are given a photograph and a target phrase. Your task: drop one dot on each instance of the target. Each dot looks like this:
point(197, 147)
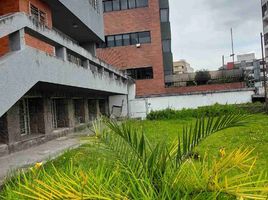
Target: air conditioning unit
point(138, 45)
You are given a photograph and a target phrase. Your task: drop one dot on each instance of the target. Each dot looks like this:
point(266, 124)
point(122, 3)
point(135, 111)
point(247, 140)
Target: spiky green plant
point(145, 171)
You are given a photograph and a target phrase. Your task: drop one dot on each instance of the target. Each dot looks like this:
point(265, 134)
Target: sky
point(201, 30)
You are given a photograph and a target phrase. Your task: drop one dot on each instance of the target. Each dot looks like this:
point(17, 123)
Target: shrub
point(202, 77)
point(205, 111)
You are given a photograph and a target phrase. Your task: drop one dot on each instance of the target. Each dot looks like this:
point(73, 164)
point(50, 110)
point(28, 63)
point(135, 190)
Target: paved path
point(41, 153)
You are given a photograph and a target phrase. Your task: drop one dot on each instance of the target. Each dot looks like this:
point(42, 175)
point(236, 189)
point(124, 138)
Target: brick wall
point(136, 20)
point(39, 44)
point(10, 6)
point(202, 88)
point(4, 45)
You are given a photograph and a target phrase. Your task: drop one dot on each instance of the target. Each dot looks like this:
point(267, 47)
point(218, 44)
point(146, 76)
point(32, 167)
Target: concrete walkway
point(41, 153)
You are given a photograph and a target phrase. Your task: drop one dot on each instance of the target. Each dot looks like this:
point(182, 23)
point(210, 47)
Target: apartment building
point(138, 39)
point(182, 67)
point(51, 81)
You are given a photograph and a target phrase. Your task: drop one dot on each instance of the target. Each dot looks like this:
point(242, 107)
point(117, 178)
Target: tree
point(202, 77)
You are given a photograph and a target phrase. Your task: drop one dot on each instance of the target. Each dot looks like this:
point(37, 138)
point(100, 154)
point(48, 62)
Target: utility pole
point(232, 42)
point(264, 74)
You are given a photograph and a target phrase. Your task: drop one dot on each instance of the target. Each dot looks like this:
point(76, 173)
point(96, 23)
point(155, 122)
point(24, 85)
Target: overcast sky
point(201, 30)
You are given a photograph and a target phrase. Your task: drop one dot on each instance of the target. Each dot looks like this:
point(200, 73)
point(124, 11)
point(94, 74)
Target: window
point(108, 6)
point(37, 14)
point(166, 46)
point(110, 41)
point(134, 38)
point(141, 3)
point(126, 39)
point(124, 4)
point(144, 37)
point(115, 5)
point(118, 40)
point(141, 73)
point(131, 4)
point(164, 15)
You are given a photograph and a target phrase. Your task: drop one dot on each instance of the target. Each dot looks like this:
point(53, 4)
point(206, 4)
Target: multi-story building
point(138, 39)
point(265, 24)
point(181, 67)
point(50, 80)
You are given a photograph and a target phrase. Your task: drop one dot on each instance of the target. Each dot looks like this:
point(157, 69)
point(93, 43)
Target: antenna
point(232, 41)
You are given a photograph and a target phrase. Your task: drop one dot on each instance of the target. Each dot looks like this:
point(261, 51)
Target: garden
point(216, 152)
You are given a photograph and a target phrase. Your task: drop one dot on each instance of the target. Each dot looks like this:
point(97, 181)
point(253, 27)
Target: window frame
point(127, 7)
point(140, 73)
point(39, 12)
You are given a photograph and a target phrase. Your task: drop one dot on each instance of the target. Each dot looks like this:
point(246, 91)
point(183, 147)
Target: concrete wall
point(140, 107)
point(86, 13)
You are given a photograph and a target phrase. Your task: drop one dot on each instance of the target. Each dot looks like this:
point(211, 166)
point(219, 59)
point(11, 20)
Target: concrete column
point(61, 52)
point(13, 124)
point(17, 40)
point(86, 111)
point(48, 116)
point(71, 117)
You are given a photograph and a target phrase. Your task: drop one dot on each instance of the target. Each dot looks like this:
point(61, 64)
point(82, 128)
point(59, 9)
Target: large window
point(126, 39)
point(115, 5)
point(141, 73)
point(164, 15)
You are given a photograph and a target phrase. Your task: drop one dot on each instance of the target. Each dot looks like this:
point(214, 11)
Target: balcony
point(24, 66)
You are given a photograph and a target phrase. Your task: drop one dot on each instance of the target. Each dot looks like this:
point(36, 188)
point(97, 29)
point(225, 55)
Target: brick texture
point(4, 45)
point(11, 6)
point(202, 88)
point(39, 44)
point(136, 20)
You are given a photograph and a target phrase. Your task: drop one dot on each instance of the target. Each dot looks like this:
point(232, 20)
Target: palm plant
point(162, 162)
point(163, 171)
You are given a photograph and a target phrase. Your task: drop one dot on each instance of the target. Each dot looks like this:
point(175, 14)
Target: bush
point(205, 111)
point(202, 77)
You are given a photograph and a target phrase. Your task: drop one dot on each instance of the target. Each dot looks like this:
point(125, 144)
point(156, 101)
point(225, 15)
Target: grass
point(254, 134)
point(88, 156)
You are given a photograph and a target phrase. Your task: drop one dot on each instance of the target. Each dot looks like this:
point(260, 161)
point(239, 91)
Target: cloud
point(201, 30)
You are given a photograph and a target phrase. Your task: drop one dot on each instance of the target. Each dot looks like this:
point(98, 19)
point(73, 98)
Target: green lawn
point(253, 135)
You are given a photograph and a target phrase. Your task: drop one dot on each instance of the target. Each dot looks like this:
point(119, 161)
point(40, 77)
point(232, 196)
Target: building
point(181, 67)
point(265, 24)
point(138, 39)
point(252, 70)
point(51, 82)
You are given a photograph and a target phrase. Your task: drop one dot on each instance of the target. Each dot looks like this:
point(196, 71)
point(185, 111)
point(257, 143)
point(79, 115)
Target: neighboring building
point(252, 70)
point(138, 39)
point(50, 80)
point(265, 24)
point(181, 67)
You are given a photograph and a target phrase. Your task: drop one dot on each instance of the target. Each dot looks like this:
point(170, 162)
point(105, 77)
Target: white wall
point(139, 108)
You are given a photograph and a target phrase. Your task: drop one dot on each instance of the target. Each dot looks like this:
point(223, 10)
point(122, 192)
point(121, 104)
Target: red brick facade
point(137, 20)
point(12, 6)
